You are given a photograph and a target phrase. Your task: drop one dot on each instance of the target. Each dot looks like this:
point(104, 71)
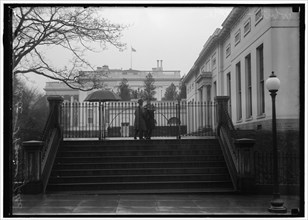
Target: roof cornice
point(219, 34)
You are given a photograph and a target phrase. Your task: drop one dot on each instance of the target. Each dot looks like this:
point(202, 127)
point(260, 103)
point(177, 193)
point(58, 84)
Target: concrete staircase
point(189, 165)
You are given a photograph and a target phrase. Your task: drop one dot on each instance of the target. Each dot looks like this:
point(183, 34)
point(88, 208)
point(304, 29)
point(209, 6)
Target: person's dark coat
point(140, 119)
point(150, 120)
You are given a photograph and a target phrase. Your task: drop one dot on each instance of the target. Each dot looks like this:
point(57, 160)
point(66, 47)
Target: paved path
point(147, 204)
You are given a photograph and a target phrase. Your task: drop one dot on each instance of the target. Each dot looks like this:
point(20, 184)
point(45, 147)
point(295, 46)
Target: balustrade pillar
point(34, 152)
point(242, 148)
point(246, 181)
point(33, 183)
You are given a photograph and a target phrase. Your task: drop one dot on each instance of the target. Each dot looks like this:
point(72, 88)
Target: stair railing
point(226, 134)
point(40, 155)
point(52, 137)
point(237, 152)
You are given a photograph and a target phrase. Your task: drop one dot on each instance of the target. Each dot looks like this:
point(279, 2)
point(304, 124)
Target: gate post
point(55, 104)
point(222, 103)
point(179, 119)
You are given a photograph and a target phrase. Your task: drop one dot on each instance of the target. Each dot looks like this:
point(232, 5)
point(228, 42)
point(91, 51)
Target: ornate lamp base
point(277, 206)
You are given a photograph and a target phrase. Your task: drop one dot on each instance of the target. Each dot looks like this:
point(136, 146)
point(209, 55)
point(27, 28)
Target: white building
point(238, 58)
point(111, 79)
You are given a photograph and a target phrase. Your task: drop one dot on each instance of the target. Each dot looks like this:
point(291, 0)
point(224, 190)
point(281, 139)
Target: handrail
point(227, 121)
point(231, 159)
point(226, 136)
point(47, 130)
point(52, 148)
point(51, 137)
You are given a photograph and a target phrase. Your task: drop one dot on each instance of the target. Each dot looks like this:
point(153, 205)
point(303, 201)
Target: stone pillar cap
point(245, 140)
point(33, 144)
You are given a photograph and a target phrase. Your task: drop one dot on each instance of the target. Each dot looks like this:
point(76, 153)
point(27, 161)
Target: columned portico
point(204, 83)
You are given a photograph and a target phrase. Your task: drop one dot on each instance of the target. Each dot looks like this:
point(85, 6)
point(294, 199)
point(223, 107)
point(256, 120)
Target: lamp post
point(272, 84)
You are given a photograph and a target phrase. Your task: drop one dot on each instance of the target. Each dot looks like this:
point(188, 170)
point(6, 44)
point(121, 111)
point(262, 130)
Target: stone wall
point(288, 135)
point(289, 143)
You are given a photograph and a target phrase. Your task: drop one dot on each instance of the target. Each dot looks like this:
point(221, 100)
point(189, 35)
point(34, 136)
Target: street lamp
point(272, 84)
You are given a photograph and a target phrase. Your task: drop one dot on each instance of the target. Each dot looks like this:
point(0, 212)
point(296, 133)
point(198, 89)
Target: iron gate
point(116, 119)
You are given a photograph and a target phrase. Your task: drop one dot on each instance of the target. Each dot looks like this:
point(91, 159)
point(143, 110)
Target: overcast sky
point(175, 35)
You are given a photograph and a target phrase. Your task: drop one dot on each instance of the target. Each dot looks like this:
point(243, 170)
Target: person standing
point(150, 120)
point(140, 125)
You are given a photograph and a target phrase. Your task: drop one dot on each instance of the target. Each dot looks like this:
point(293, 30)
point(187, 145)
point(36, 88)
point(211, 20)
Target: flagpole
point(131, 58)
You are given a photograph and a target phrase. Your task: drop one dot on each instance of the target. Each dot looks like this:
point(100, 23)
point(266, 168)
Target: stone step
point(165, 152)
point(141, 144)
point(139, 178)
point(138, 165)
point(147, 185)
point(138, 171)
point(160, 158)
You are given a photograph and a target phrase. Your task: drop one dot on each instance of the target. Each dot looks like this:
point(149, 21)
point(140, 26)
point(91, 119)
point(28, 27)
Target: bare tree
point(76, 30)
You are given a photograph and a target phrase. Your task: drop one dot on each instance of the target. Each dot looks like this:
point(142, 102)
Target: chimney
point(161, 64)
point(157, 64)
point(105, 68)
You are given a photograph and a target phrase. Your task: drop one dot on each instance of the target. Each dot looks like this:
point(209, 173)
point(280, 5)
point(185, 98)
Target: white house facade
point(111, 79)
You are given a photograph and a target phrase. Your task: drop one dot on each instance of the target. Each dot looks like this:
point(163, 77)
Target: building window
point(228, 50)
point(247, 27)
point(214, 61)
point(237, 37)
point(229, 91)
point(208, 91)
point(215, 89)
point(248, 87)
point(208, 65)
point(258, 15)
point(90, 116)
point(202, 69)
point(260, 81)
point(238, 91)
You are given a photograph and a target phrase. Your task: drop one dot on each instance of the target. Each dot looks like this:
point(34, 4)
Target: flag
point(133, 50)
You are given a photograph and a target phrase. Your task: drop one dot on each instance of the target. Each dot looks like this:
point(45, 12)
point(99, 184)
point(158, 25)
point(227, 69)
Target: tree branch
point(38, 27)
